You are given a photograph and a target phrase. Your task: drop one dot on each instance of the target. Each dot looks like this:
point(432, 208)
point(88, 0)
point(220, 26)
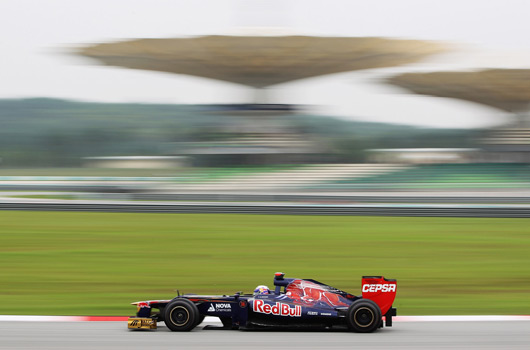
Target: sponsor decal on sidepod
point(220, 307)
point(379, 287)
point(279, 309)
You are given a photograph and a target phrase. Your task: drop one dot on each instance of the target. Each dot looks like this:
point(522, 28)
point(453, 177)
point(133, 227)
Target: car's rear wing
point(382, 291)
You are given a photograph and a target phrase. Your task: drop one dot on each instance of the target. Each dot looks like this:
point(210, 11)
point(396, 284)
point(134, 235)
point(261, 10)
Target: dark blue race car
point(294, 303)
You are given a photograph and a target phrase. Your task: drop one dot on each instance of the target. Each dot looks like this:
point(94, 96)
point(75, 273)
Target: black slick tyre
point(364, 316)
point(181, 315)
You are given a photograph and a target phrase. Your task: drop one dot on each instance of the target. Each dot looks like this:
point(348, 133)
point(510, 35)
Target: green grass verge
point(190, 173)
point(47, 196)
point(93, 172)
point(64, 263)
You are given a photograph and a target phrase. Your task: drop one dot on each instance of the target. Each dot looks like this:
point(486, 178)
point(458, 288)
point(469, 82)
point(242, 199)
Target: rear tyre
point(364, 316)
point(181, 315)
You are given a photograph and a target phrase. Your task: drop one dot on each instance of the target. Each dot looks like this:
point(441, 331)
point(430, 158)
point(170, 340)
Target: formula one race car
point(295, 303)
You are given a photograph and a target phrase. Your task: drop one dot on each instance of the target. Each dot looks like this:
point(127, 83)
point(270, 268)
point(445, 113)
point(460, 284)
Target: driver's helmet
point(262, 290)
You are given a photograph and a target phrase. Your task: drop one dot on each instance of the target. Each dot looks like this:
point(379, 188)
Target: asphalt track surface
point(404, 335)
point(431, 210)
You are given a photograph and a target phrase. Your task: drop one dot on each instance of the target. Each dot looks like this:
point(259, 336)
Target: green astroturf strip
point(59, 263)
point(446, 175)
point(187, 174)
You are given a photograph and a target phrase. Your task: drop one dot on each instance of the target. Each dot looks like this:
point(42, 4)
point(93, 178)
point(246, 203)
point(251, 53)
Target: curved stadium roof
point(260, 61)
point(506, 89)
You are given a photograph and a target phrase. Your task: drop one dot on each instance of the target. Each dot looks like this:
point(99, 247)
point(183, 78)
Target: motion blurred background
point(299, 104)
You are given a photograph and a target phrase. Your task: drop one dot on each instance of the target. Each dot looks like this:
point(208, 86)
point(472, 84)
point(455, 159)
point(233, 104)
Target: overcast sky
point(485, 34)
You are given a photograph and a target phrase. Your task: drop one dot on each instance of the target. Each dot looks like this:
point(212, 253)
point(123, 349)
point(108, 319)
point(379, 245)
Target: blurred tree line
point(43, 132)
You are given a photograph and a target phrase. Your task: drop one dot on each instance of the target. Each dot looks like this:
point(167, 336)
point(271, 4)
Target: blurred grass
point(92, 172)
point(190, 173)
point(47, 196)
point(61, 263)
point(439, 176)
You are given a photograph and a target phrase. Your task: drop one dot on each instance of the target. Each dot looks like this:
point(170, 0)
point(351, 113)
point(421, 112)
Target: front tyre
point(364, 316)
point(199, 320)
point(181, 315)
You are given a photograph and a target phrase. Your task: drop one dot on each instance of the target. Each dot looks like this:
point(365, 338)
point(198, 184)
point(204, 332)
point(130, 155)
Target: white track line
point(209, 319)
point(461, 318)
point(41, 318)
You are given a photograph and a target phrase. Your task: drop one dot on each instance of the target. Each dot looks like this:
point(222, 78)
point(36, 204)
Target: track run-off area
point(431, 332)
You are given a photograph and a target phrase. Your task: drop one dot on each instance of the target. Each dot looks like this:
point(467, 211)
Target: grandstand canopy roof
point(506, 89)
point(260, 61)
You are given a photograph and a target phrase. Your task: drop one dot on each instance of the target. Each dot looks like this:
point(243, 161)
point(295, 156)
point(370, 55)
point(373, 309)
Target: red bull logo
point(142, 305)
point(279, 309)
